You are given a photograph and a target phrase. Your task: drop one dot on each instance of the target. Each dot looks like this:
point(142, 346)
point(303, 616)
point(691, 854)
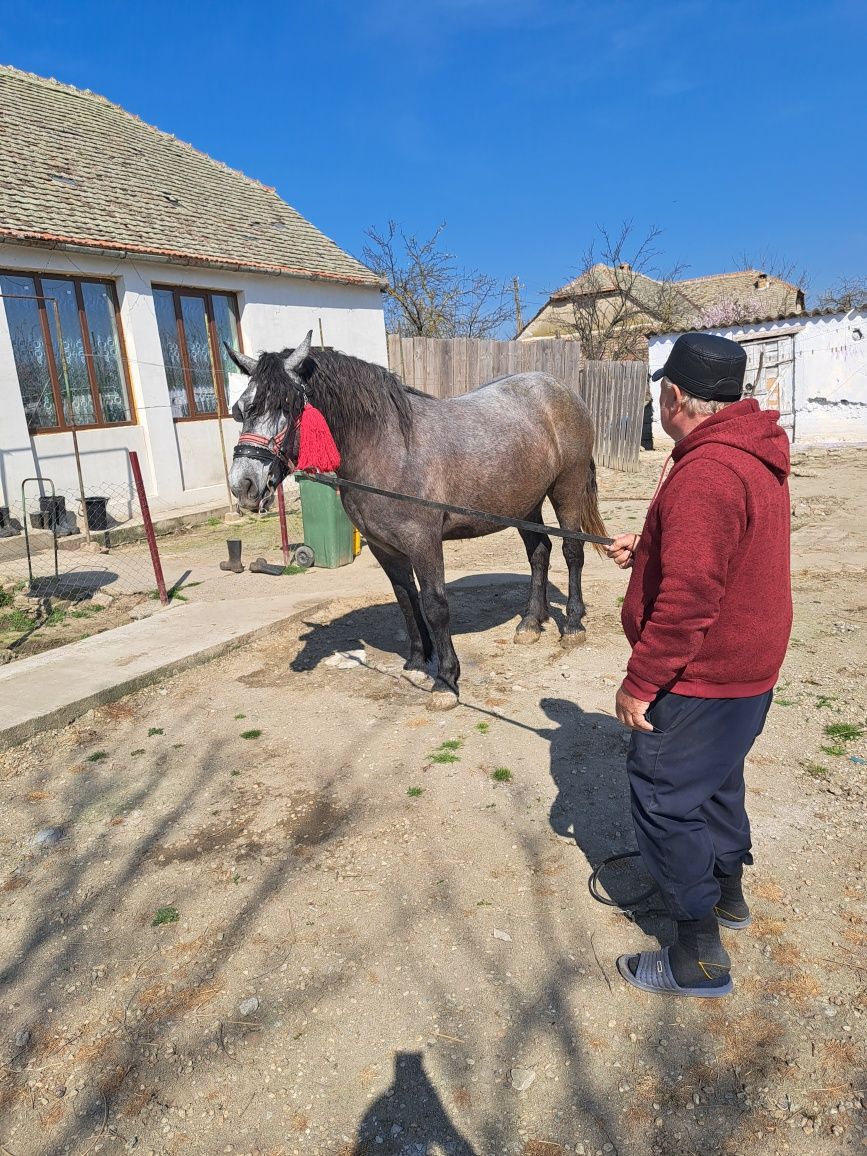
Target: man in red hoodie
point(708, 613)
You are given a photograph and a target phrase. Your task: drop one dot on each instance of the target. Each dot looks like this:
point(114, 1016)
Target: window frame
point(221, 385)
point(42, 303)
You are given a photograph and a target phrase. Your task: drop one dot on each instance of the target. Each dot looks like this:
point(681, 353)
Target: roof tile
point(76, 169)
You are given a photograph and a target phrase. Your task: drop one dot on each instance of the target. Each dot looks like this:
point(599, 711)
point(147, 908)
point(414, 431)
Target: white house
point(811, 366)
point(150, 254)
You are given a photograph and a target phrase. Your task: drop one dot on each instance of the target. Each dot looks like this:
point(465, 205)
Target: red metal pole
point(149, 526)
point(284, 532)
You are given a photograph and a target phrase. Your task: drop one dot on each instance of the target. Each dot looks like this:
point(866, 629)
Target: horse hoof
point(573, 639)
point(419, 678)
point(442, 700)
point(527, 635)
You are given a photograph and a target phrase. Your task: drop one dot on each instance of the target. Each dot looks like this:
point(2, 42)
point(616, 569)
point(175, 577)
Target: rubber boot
point(234, 561)
point(731, 909)
point(260, 566)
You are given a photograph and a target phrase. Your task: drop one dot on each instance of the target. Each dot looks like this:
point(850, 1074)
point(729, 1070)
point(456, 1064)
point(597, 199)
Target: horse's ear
point(245, 364)
point(298, 356)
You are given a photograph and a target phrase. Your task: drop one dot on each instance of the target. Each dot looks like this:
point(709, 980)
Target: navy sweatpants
point(687, 786)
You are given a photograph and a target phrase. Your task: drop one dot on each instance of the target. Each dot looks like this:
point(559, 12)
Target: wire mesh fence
point(69, 567)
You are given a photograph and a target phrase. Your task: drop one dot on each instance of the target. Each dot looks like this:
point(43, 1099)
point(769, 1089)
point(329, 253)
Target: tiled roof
point(791, 315)
point(79, 171)
point(741, 286)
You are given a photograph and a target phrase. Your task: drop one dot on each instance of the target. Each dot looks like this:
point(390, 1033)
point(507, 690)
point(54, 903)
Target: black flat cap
point(706, 366)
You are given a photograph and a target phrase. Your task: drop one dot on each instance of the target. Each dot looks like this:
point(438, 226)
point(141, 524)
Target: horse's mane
point(354, 395)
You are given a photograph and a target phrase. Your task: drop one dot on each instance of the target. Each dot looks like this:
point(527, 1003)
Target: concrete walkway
point(53, 688)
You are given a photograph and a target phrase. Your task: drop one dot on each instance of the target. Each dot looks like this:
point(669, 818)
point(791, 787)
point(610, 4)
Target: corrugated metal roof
point(78, 171)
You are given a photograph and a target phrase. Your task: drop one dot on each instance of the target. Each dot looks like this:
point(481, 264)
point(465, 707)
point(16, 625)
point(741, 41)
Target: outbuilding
point(127, 259)
point(811, 366)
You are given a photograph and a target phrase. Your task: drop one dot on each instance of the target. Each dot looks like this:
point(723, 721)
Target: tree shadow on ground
point(409, 1118)
point(476, 604)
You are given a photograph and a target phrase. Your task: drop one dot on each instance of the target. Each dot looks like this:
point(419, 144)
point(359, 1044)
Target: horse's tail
point(591, 519)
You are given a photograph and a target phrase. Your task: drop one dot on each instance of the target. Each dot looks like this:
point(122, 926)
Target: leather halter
point(271, 451)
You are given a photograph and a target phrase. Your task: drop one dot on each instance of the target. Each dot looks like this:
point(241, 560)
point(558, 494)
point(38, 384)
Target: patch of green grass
point(825, 700)
point(845, 731)
point(155, 731)
point(6, 596)
point(174, 595)
point(97, 756)
point(415, 792)
point(236, 879)
point(234, 774)
point(779, 701)
point(86, 611)
point(483, 728)
point(137, 751)
point(815, 770)
point(443, 757)
point(835, 750)
point(290, 570)
point(177, 746)
point(253, 734)
point(214, 521)
point(165, 915)
point(237, 716)
point(55, 617)
point(17, 620)
point(621, 599)
point(484, 903)
point(502, 775)
point(451, 745)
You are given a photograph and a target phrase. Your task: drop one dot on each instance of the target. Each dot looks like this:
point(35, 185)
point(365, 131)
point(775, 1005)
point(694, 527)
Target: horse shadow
point(476, 604)
point(409, 1119)
point(588, 767)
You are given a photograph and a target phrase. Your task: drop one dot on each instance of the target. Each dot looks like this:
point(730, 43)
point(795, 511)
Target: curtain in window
point(28, 348)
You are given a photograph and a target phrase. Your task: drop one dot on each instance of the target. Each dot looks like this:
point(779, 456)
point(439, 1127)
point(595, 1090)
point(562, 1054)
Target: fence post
point(284, 533)
point(149, 526)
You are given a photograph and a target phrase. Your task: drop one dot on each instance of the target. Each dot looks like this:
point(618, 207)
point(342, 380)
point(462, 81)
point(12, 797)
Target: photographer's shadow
point(410, 1117)
point(588, 766)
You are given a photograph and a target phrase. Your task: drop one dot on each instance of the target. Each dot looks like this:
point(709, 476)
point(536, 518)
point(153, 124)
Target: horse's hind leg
point(538, 547)
point(566, 498)
point(399, 571)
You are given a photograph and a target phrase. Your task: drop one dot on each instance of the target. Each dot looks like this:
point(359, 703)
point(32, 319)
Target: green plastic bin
point(327, 530)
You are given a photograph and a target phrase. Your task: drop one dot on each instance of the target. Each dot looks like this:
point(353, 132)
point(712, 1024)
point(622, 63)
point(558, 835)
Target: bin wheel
point(304, 556)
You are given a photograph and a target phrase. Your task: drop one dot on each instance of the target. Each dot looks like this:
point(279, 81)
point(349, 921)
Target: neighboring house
point(610, 309)
point(811, 366)
point(155, 255)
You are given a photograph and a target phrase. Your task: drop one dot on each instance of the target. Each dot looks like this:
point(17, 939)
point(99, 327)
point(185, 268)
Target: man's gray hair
point(697, 406)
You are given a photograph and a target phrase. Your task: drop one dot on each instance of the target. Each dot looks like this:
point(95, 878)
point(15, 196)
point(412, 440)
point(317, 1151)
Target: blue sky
point(735, 128)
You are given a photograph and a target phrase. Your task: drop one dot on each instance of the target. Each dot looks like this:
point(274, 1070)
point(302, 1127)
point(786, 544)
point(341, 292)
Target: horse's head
point(268, 411)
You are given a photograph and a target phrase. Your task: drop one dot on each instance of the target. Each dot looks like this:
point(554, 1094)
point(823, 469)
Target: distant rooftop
point(77, 171)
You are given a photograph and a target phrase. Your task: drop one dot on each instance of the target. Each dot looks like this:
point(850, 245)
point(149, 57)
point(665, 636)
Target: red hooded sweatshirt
point(708, 609)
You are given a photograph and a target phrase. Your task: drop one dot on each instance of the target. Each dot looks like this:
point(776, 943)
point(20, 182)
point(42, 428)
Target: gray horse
point(501, 448)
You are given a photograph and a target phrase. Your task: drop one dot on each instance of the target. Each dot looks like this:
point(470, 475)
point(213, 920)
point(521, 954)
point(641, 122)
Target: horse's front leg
point(430, 571)
point(399, 571)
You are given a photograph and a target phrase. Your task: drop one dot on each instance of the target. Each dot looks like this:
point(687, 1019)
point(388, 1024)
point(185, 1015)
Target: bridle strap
point(270, 451)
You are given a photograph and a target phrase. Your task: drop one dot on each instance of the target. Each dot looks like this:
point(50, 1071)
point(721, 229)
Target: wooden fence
point(614, 391)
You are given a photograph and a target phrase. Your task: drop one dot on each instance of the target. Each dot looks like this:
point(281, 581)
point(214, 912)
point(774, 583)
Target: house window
point(68, 350)
point(193, 326)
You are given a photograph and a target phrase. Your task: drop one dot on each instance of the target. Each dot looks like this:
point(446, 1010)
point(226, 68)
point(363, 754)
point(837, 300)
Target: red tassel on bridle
point(317, 451)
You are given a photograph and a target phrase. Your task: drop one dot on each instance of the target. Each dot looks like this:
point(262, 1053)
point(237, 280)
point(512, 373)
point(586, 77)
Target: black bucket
point(97, 514)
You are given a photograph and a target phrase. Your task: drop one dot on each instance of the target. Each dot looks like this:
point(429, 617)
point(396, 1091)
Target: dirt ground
point(288, 910)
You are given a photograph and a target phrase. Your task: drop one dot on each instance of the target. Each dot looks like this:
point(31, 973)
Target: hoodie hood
point(743, 426)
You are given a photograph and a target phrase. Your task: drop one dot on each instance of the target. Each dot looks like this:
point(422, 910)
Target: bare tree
point(619, 294)
point(847, 293)
point(428, 294)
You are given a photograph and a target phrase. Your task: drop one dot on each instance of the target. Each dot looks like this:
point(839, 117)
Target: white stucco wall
point(830, 373)
point(181, 461)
